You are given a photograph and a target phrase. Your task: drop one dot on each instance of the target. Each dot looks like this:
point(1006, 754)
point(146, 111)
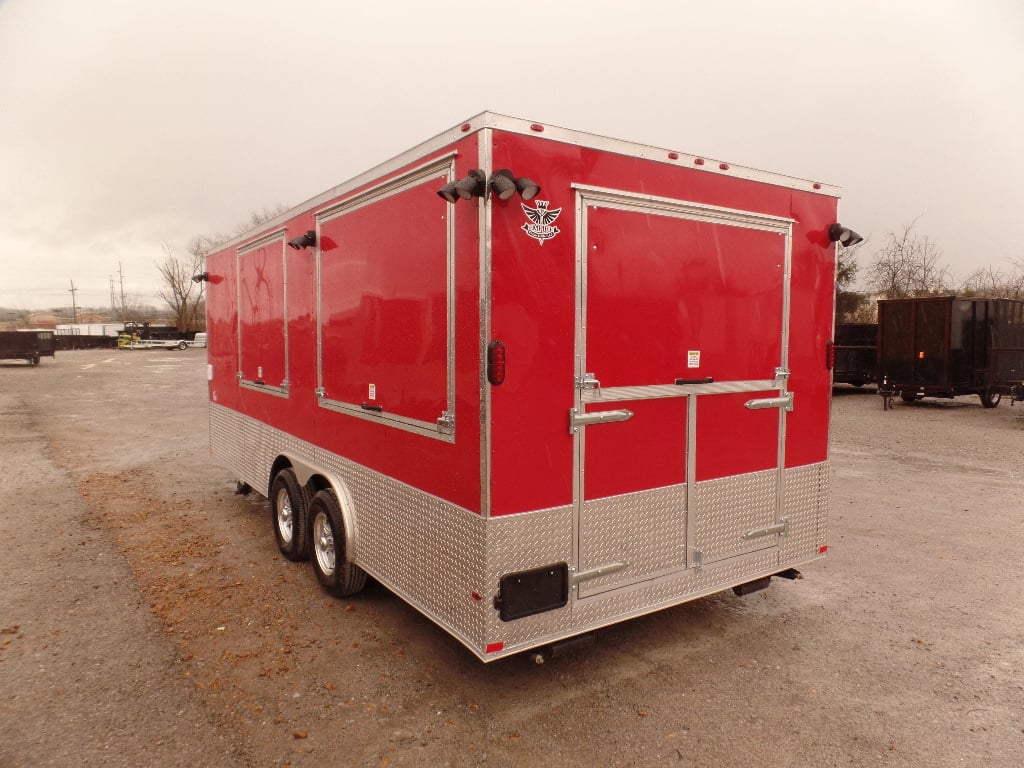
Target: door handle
point(577, 420)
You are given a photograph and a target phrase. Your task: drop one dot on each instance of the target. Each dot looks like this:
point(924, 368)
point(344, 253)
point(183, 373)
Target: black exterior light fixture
point(202, 277)
point(472, 185)
point(303, 241)
point(845, 237)
point(504, 184)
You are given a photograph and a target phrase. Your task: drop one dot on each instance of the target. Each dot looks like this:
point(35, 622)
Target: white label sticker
point(693, 358)
point(373, 392)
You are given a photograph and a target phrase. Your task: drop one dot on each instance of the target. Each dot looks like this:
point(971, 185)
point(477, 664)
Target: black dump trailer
point(946, 346)
point(856, 354)
point(26, 345)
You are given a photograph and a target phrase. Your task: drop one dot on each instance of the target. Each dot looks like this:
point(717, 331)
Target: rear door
point(680, 385)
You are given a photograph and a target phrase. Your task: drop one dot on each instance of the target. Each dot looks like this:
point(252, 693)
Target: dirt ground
point(146, 617)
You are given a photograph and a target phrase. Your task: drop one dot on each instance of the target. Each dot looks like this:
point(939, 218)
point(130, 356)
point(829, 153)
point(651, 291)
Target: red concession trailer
point(534, 381)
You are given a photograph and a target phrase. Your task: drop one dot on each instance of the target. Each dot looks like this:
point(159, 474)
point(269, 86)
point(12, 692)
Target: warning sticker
point(373, 391)
point(693, 358)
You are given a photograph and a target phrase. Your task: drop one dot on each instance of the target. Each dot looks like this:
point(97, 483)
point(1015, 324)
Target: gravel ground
point(146, 617)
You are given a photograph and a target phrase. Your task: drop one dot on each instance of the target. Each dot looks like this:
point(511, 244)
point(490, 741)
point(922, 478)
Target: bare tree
point(255, 219)
point(184, 296)
point(996, 283)
point(908, 264)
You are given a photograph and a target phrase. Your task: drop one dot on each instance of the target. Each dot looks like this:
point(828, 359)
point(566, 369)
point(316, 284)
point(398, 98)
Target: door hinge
point(588, 381)
point(446, 423)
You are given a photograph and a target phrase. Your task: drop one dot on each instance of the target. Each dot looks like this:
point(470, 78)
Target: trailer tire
point(336, 574)
point(989, 399)
point(288, 514)
point(182, 345)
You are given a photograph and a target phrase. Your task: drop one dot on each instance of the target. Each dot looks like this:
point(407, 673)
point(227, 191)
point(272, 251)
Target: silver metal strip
point(484, 214)
point(654, 391)
point(682, 209)
point(265, 388)
point(268, 238)
point(385, 189)
point(579, 374)
point(694, 558)
point(426, 428)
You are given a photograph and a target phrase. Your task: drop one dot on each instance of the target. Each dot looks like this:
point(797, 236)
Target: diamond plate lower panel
point(728, 507)
point(805, 508)
point(427, 550)
point(645, 530)
point(447, 561)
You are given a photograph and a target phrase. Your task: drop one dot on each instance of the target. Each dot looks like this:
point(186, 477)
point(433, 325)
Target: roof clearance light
point(496, 362)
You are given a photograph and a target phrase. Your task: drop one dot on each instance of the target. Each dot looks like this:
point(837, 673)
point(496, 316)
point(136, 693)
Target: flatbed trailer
point(27, 345)
point(158, 344)
point(534, 381)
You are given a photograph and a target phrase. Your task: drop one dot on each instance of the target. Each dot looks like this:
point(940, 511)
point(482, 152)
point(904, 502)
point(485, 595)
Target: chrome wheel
point(285, 517)
point(323, 543)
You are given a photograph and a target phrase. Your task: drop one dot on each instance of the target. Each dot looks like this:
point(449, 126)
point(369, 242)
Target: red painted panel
point(734, 440)
point(647, 451)
point(383, 295)
point(660, 287)
point(222, 327)
point(812, 308)
point(449, 471)
point(262, 313)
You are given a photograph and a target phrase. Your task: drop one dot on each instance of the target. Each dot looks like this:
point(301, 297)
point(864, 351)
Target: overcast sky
point(129, 124)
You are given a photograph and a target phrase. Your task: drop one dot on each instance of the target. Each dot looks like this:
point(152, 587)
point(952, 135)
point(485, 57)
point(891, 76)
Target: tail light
point(496, 362)
point(830, 355)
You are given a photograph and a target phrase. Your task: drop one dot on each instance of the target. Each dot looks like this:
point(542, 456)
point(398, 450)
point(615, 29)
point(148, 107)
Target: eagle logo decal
point(541, 220)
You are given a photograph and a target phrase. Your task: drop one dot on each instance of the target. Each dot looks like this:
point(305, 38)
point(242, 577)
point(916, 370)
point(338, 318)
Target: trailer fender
point(312, 478)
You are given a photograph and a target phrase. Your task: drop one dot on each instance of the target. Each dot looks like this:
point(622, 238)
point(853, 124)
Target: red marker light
point(723, 166)
point(465, 127)
point(920, 355)
point(494, 647)
point(823, 549)
point(698, 161)
point(673, 155)
point(537, 127)
point(496, 362)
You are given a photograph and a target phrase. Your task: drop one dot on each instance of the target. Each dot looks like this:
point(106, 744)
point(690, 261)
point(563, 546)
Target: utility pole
point(113, 305)
point(74, 306)
point(121, 275)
